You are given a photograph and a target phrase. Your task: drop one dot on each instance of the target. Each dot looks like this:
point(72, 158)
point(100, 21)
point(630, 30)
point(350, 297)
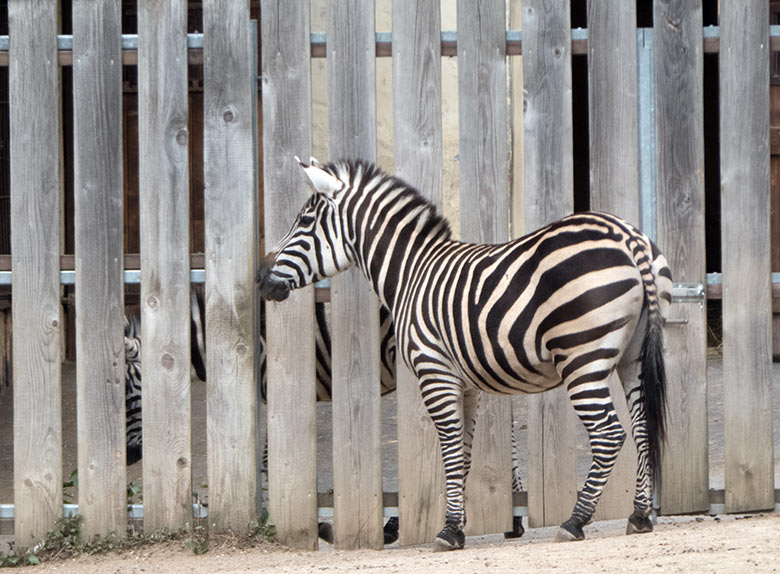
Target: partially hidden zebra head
point(314, 247)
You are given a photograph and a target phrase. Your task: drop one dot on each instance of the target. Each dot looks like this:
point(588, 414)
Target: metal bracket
point(689, 293)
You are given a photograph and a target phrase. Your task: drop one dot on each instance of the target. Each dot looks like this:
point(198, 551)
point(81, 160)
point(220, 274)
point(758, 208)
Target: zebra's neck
point(390, 227)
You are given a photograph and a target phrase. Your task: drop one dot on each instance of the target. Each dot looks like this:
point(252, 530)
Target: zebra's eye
point(306, 220)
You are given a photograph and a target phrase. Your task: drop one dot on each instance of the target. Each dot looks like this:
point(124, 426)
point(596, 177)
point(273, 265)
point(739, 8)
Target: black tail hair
point(653, 391)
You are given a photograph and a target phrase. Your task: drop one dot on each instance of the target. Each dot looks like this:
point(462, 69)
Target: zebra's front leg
point(446, 405)
point(606, 435)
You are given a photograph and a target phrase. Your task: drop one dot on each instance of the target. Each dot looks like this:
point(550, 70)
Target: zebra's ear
point(321, 181)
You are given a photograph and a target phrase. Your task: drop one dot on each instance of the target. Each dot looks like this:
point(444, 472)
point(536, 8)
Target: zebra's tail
point(652, 371)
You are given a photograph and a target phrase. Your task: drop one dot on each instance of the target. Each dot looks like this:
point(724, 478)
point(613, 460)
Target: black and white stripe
point(567, 304)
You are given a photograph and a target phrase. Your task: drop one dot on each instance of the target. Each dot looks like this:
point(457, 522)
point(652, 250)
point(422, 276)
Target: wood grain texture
point(681, 226)
point(165, 245)
point(287, 121)
point(35, 236)
point(484, 209)
point(549, 195)
point(614, 182)
point(230, 205)
point(417, 148)
point(745, 229)
point(354, 307)
point(100, 361)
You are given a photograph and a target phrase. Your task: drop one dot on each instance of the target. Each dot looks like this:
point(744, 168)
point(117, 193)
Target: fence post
point(35, 202)
point(417, 146)
point(484, 215)
point(745, 228)
point(287, 125)
point(165, 246)
point(549, 195)
point(680, 204)
point(614, 184)
point(230, 204)
point(100, 361)
point(357, 477)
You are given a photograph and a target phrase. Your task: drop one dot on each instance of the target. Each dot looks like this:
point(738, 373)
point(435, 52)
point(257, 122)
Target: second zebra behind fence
point(133, 387)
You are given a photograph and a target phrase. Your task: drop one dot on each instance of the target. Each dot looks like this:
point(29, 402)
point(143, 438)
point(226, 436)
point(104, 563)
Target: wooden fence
point(625, 64)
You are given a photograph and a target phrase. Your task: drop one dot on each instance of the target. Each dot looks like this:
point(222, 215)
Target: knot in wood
point(228, 114)
point(167, 361)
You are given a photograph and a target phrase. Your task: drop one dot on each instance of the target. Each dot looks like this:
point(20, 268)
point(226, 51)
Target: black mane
point(435, 221)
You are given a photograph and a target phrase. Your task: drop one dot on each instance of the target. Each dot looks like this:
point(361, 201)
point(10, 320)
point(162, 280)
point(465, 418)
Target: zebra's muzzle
point(271, 287)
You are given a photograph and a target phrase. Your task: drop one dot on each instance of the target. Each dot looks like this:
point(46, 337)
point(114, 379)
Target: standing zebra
point(567, 304)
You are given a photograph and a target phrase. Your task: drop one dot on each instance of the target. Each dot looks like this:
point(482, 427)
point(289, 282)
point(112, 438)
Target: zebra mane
point(433, 221)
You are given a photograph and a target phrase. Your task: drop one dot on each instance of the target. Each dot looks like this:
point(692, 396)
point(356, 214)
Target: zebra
point(567, 304)
point(133, 396)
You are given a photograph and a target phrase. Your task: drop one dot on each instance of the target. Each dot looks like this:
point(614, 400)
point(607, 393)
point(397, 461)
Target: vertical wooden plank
point(745, 228)
point(614, 183)
point(549, 195)
point(165, 246)
point(681, 226)
point(35, 243)
point(484, 209)
point(100, 381)
point(230, 204)
point(357, 478)
point(287, 132)
point(417, 147)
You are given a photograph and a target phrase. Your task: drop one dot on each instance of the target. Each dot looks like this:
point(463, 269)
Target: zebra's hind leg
point(639, 522)
point(593, 404)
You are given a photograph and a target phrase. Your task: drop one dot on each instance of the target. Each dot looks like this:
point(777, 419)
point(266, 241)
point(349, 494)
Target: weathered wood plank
point(484, 201)
point(552, 479)
point(287, 125)
point(417, 148)
point(680, 205)
point(614, 182)
point(165, 278)
point(35, 191)
point(230, 204)
point(745, 229)
point(100, 372)
point(357, 477)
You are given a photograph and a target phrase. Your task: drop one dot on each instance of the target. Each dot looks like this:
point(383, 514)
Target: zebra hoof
point(517, 528)
point(639, 524)
point(569, 532)
point(391, 530)
point(450, 538)
point(325, 531)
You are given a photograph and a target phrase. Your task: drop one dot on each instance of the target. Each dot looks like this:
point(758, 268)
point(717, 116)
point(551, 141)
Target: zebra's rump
point(522, 316)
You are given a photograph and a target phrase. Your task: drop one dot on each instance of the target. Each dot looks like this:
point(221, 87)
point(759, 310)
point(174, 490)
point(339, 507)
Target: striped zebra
point(565, 305)
point(133, 377)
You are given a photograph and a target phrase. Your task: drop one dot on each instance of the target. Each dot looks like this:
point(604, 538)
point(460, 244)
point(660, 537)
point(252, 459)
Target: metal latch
point(689, 293)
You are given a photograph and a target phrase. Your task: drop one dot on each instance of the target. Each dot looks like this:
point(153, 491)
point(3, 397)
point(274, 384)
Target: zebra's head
point(314, 247)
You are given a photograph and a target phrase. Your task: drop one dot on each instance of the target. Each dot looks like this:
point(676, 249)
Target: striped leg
point(593, 404)
point(639, 521)
point(445, 404)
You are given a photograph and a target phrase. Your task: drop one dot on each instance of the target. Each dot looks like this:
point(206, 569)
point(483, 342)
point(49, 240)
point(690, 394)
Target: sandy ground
point(726, 544)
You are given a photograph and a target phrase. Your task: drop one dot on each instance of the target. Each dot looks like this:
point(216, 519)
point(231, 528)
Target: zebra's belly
point(520, 380)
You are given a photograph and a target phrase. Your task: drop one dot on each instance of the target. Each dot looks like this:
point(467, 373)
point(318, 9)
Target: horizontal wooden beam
point(384, 45)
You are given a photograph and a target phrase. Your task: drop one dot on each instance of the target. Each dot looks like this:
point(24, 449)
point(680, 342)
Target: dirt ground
point(720, 544)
